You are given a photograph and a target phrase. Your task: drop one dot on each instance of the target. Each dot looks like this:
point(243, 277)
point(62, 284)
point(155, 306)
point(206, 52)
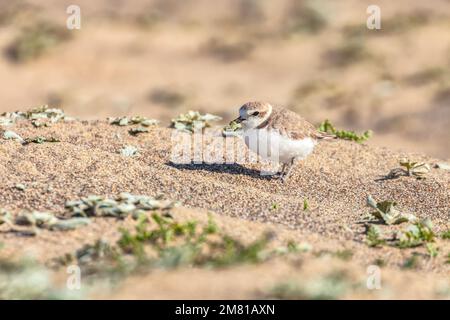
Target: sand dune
point(335, 180)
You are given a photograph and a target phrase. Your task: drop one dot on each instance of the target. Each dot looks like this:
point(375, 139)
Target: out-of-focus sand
point(336, 180)
point(161, 58)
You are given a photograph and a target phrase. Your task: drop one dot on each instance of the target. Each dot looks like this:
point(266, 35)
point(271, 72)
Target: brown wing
point(294, 125)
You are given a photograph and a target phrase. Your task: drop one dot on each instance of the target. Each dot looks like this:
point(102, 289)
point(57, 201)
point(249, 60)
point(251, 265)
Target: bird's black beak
point(238, 120)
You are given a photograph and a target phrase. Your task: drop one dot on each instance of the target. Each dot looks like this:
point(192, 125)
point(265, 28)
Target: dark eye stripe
point(255, 113)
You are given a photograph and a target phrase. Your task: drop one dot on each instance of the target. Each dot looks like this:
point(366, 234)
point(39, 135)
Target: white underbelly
point(269, 144)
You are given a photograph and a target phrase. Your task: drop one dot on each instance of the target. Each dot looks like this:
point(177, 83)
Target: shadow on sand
point(233, 168)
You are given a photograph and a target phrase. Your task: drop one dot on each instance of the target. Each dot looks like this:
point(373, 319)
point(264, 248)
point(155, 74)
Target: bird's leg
point(280, 173)
point(288, 171)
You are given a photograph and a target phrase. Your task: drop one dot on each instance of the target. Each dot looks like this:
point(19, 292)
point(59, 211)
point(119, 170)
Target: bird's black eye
point(255, 113)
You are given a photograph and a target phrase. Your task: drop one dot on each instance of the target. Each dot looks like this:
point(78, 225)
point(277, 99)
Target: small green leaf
point(274, 206)
point(232, 129)
point(416, 169)
point(193, 121)
point(129, 151)
point(327, 127)
point(443, 166)
point(40, 140)
point(305, 205)
point(446, 234)
point(432, 250)
point(125, 121)
point(416, 234)
point(387, 211)
point(20, 186)
point(374, 237)
point(11, 135)
point(69, 224)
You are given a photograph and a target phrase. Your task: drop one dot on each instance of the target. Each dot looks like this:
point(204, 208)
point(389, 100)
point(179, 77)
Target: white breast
point(270, 144)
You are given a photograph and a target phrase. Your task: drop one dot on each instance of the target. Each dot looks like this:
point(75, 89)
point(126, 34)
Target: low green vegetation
point(139, 120)
point(417, 169)
point(4, 121)
point(28, 223)
point(168, 97)
point(149, 18)
point(327, 127)
point(345, 254)
point(333, 285)
point(350, 51)
point(129, 151)
point(125, 204)
point(398, 23)
point(374, 237)
point(26, 279)
point(46, 220)
point(11, 135)
point(159, 241)
point(275, 206)
point(305, 205)
point(379, 262)
point(387, 212)
point(432, 250)
point(188, 243)
point(78, 212)
point(36, 40)
point(411, 262)
point(418, 232)
point(40, 140)
point(193, 121)
point(446, 234)
point(226, 50)
point(232, 129)
point(20, 187)
point(442, 166)
point(306, 17)
point(409, 168)
point(40, 116)
point(406, 22)
point(5, 217)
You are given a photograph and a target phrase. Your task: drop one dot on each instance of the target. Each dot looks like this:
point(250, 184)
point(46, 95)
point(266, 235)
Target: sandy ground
point(336, 180)
point(196, 55)
point(161, 58)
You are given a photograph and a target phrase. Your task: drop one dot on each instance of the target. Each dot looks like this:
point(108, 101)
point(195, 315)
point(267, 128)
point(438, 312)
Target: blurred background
point(163, 57)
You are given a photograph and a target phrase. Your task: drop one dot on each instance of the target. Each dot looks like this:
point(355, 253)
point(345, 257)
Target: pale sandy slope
point(336, 180)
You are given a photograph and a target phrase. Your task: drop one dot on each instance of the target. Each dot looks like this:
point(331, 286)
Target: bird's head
point(253, 114)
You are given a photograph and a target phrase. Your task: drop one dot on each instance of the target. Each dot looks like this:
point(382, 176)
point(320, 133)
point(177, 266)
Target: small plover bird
point(278, 134)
